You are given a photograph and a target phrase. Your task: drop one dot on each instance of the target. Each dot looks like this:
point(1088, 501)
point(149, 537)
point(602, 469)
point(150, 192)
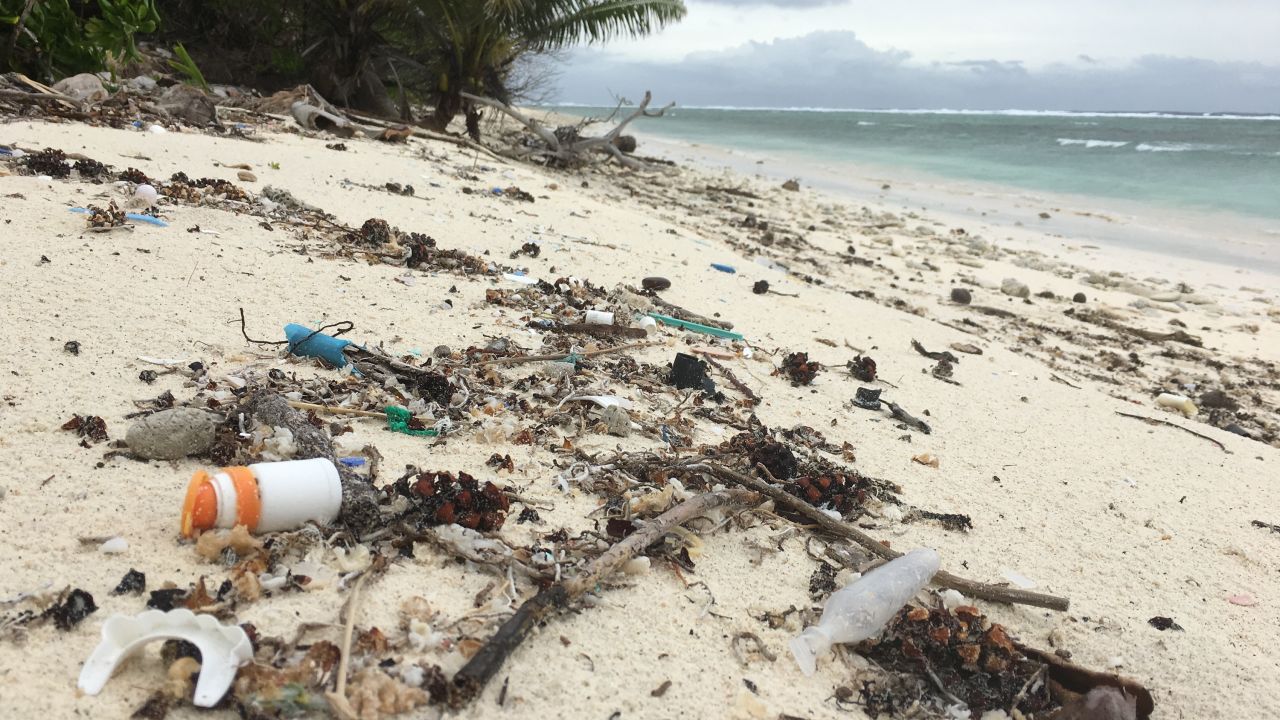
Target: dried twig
point(562, 356)
point(338, 698)
point(972, 588)
point(1152, 420)
point(471, 679)
point(733, 379)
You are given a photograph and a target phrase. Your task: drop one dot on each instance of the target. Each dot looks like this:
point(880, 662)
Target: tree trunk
point(448, 106)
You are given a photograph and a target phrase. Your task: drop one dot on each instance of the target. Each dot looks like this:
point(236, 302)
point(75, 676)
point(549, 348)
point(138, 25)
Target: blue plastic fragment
point(136, 217)
point(724, 268)
point(139, 217)
point(352, 461)
point(305, 342)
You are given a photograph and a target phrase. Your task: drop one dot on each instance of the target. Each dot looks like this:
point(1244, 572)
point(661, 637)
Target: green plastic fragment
point(398, 421)
point(695, 327)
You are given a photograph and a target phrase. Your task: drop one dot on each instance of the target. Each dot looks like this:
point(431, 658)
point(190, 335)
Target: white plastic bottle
point(264, 497)
point(862, 608)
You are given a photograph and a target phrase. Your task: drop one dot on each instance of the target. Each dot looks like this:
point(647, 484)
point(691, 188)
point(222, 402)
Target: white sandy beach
point(1130, 521)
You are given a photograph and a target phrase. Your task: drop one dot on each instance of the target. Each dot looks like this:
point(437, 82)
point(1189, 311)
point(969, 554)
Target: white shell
point(223, 649)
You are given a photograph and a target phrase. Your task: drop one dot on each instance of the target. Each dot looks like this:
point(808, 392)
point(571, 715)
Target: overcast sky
point(1192, 55)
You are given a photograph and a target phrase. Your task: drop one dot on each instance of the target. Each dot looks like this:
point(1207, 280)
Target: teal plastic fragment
point(695, 327)
point(398, 421)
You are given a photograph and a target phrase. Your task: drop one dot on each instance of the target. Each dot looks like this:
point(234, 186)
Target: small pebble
point(1078, 297)
point(246, 176)
point(441, 351)
point(961, 295)
point(114, 546)
point(72, 346)
point(655, 283)
point(761, 287)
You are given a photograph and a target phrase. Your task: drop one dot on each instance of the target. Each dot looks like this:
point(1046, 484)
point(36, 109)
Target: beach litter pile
point(645, 446)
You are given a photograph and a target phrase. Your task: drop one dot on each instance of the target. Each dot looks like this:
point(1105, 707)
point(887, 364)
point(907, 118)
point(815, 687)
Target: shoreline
point(1011, 210)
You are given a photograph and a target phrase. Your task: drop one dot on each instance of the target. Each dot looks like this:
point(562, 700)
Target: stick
point(733, 379)
point(972, 588)
point(469, 682)
point(561, 356)
point(1221, 447)
point(678, 312)
point(338, 698)
point(335, 410)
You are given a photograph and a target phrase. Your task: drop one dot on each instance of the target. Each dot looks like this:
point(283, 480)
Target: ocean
point(1218, 163)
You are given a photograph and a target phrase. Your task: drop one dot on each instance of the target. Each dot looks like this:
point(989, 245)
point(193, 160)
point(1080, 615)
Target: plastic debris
point(695, 327)
point(401, 420)
point(264, 497)
point(688, 372)
point(223, 649)
point(724, 268)
point(863, 608)
point(114, 546)
point(1181, 403)
point(305, 342)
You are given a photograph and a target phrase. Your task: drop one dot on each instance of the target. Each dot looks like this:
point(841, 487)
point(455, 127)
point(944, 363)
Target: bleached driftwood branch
point(577, 150)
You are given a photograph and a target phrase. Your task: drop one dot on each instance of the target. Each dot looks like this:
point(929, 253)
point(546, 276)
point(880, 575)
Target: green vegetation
point(185, 65)
point(51, 39)
point(380, 56)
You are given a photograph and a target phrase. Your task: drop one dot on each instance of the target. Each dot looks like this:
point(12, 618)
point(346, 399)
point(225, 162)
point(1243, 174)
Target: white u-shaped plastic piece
point(223, 649)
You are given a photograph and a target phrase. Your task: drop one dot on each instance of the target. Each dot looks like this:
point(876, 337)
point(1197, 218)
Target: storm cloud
point(836, 69)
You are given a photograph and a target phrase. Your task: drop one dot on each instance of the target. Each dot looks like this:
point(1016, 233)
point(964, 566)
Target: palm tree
point(471, 45)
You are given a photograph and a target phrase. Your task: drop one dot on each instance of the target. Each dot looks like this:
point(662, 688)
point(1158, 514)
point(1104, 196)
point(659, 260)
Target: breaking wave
point(1093, 143)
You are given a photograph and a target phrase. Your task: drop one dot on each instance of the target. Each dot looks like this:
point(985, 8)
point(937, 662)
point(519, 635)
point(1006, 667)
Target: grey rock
point(1015, 288)
point(618, 421)
point(1078, 298)
point(188, 104)
point(961, 295)
point(173, 434)
point(85, 87)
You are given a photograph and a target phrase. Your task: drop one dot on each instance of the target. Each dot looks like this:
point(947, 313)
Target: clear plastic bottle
point(862, 608)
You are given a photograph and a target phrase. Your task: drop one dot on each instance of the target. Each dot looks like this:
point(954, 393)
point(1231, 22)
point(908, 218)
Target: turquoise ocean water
point(1226, 163)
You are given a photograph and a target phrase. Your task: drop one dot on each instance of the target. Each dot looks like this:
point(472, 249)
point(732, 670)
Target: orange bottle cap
point(200, 509)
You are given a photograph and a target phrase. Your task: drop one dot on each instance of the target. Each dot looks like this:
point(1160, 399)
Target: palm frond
point(567, 22)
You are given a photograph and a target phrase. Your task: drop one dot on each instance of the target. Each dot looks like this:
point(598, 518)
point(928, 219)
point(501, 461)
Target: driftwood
point(359, 509)
point(578, 150)
point(1179, 336)
point(994, 593)
point(469, 682)
point(680, 313)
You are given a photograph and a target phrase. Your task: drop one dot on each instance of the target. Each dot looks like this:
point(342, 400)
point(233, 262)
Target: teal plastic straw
point(695, 327)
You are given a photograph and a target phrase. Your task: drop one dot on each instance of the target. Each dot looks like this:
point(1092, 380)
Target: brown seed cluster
point(49, 161)
point(799, 368)
point(975, 661)
point(110, 216)
point(840, 491)
point(439, 498)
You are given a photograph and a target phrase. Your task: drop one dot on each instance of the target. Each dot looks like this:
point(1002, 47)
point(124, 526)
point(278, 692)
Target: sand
point(1129, 520)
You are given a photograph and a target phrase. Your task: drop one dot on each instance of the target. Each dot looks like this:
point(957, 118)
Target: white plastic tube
point(862, 608)
point(599, 317)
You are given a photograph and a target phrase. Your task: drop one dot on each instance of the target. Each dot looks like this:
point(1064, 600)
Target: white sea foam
point(1093, 143)
point(1171, 147)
